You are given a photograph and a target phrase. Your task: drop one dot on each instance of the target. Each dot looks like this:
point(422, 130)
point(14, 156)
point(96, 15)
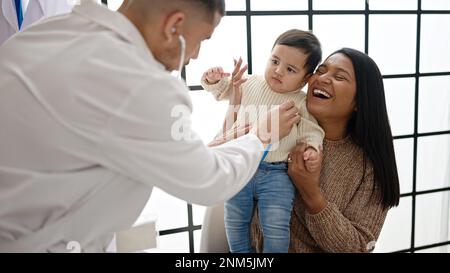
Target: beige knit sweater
point(257, 98)
point(352, 220)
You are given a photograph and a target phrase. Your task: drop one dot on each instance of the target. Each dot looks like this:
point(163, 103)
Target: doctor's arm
point(149, 139)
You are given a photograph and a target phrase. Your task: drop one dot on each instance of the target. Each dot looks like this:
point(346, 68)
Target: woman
point(342, 207)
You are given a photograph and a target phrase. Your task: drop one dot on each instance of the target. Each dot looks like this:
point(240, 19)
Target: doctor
point(17, 15)
point(91, 120)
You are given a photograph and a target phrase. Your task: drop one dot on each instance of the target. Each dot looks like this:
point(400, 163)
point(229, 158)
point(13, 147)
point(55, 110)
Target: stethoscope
point(182, 52)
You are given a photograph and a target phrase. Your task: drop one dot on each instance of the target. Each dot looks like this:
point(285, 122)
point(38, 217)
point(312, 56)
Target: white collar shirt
point(33, 11)
point(87, 118)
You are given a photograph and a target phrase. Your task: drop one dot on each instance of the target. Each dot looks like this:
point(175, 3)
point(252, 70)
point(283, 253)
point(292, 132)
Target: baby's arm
point(309, 130)
point(312, 134)
point(218, 82)
point(214, 75)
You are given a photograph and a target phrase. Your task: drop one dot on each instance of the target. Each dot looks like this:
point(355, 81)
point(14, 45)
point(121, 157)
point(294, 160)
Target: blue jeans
point(273, 192)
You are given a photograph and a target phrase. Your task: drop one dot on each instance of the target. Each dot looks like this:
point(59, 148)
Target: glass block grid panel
point(114, 4)
point(400, 100)
point(172, 243)
point(417, 95)
point(432, 218)
point(393, 57)
point(435, 5)
point(208, 115)
point(163, 206)
point(433, 161)
point(404, 158)
point(396, 233)
point(392, 4)
point(226, 43)
point(279, 5)
point(337, 31)
point(265, 30)
point(434, 104)
point(434, 43)
point(234, 5)
point(339, 5)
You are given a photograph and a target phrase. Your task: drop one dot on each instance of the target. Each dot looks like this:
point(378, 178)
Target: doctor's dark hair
point(209, 7)
point(369, 126)
point(202, 9)
point(304, 41)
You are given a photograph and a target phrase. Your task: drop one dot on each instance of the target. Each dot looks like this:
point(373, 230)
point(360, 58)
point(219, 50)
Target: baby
point(294, 57)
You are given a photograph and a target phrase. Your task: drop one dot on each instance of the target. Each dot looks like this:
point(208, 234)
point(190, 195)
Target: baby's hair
point(306, 42)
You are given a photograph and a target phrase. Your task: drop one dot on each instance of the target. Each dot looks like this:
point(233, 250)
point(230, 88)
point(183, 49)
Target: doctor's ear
point(174, 25)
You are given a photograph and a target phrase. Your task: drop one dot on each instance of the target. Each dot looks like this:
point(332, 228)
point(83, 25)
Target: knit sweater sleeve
point(308, 128)
point(356, 228)
point(220, 90)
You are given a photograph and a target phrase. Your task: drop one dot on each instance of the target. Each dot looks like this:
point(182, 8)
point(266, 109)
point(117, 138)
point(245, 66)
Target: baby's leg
point(238, 213)
point(275, 200)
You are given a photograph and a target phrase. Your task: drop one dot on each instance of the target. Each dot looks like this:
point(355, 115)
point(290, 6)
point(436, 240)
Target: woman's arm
point(355, 229)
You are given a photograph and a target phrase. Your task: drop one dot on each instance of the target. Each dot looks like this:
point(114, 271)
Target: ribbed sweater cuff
point(323, 216)
point(219, 89)
point(311, 133)
point(315, 143)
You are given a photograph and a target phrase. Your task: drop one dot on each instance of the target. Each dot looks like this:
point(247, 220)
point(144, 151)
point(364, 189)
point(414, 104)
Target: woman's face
point(332, 90)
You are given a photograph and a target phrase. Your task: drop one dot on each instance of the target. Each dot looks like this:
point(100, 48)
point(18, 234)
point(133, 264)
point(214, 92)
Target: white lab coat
point(33, 10)
point(86, 120)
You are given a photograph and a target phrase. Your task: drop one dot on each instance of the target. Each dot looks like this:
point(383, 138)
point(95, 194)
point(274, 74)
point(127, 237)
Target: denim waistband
point(281, 165)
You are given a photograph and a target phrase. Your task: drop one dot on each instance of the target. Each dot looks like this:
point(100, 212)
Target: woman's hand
point(307, 183)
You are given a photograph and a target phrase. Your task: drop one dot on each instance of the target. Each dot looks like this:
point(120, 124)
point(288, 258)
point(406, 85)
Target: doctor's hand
point(214, 75)
point(234, 132)
point(277, 123)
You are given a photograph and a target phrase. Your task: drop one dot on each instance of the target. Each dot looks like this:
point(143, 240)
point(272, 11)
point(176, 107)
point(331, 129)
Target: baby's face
point(285, 70)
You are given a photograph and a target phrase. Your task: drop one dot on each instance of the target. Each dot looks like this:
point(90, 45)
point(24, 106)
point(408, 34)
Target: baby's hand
point(238, 80)
point(312, 159)
point(214, 75)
